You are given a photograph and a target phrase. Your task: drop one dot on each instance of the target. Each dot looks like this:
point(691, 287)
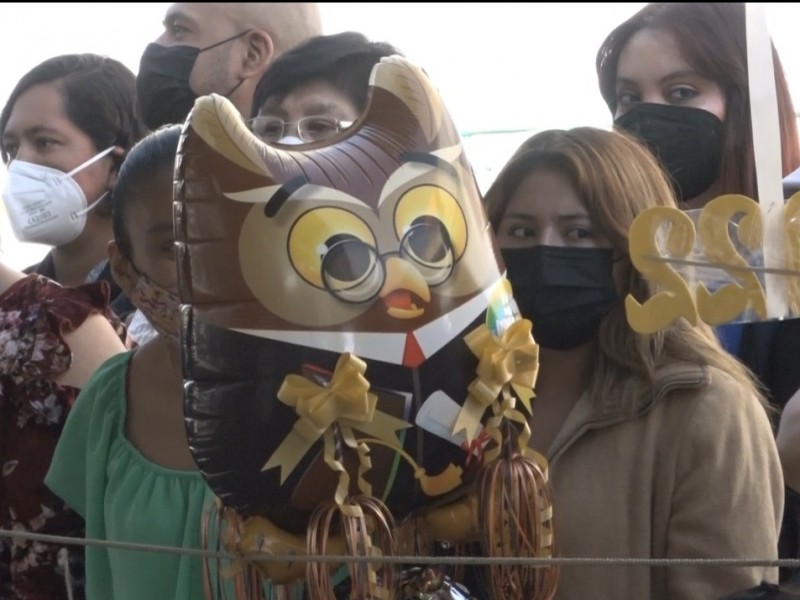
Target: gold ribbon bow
point(513, 358)
point(345, 401)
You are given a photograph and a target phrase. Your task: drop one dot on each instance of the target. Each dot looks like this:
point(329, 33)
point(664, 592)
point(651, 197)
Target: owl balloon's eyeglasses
point(314, 128)
point(353, 271)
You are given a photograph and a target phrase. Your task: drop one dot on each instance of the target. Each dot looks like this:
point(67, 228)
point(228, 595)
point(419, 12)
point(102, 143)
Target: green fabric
point(124, 497)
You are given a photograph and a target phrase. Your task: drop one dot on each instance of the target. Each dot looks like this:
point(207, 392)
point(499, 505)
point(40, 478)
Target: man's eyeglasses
point(309, 129)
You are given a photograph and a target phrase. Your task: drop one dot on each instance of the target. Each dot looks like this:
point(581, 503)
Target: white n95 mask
point(45, 205)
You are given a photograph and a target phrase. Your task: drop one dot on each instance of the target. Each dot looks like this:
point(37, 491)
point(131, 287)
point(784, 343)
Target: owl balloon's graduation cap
point(338, 300)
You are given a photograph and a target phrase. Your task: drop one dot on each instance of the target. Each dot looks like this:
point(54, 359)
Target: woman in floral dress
point(51, 339)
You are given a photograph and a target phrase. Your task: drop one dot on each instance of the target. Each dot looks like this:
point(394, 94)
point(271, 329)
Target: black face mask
point(565, 292)
point(162, 83)
point(687, 141)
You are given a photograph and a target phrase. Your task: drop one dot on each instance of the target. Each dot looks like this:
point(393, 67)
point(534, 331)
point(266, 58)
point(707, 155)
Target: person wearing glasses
point(317, 89)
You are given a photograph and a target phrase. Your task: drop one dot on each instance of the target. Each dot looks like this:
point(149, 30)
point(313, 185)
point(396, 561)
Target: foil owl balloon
point(338, 299)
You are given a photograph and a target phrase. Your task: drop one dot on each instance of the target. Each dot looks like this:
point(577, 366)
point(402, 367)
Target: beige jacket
point(694, 475)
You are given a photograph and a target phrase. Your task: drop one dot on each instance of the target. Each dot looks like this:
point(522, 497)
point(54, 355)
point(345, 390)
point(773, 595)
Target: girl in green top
point(123, 461)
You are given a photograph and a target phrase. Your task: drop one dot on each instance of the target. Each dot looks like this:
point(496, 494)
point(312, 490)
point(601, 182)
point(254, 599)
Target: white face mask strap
point(92, 160)
point(80, 213)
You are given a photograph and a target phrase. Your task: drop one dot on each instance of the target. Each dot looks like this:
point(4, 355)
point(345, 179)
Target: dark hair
point(616, 179)
point(148, 159)
point(99, 96)
point(345, 60)
point(712, 38)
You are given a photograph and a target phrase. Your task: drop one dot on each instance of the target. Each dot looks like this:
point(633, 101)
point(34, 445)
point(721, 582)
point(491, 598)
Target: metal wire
point(437, 560)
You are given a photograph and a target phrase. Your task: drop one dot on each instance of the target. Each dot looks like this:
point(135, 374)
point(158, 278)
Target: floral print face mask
point(160, 305)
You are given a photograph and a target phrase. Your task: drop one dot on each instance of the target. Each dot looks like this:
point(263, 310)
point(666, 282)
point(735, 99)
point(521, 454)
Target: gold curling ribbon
point(512, 358)
point(346, 402)
point(506, 410)
point(348, 508)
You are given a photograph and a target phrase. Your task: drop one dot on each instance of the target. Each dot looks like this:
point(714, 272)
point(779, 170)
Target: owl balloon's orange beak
point(403, 288)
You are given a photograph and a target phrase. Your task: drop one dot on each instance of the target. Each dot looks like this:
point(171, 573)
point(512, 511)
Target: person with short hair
point(317, 89)
point(216, 47)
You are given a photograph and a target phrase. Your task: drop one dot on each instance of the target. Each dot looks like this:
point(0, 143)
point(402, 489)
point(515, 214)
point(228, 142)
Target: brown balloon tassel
point(284, 592)
point(224, 526)
point(367, 526)
point(412, 537)
point(221, 525)
point(515, 500)
point(212, 520)
point(279, 592)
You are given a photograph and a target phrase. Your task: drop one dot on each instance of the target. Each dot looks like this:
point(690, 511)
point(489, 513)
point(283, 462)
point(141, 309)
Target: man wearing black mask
point(217, 48)
point(214, 48)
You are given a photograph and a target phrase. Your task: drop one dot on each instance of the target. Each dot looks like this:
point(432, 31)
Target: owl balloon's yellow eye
point(352, 270)
point(334, 249)
point(432, 231)
point(427, 244)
